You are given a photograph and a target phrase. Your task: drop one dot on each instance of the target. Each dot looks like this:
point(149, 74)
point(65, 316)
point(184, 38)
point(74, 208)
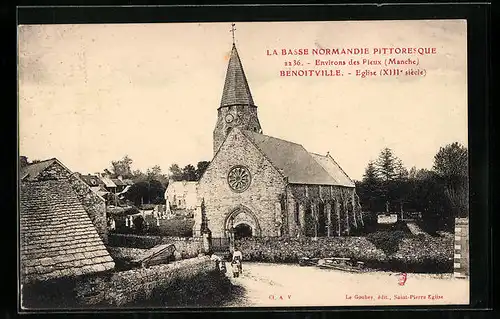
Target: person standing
point(238, 257)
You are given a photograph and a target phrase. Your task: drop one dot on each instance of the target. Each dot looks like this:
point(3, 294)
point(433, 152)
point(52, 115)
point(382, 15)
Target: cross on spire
point(232, 30)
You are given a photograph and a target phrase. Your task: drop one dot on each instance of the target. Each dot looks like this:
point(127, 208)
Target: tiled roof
point(58, 238)
point(107, 182)
point(293, 160)
point(334, 169)
point(236, 90)
point(32, 171)
point(90, 180)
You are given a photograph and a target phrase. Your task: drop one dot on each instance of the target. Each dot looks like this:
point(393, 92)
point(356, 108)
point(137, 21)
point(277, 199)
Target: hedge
point(413, 253)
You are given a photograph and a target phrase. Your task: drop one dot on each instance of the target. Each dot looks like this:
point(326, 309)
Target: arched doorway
point(242, 230)
point(242, 222)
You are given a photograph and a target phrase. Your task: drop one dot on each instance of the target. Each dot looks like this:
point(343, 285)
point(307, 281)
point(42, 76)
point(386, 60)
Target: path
point(415, 229)
point(272, 285)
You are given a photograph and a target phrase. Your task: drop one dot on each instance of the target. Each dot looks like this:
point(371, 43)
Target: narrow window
point(296, 208)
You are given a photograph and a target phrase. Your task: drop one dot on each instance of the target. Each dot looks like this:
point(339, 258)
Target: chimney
point(328, 153)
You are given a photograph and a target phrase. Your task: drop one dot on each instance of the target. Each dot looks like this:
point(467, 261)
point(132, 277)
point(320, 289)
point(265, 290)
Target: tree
point(155, 173)
point(189, 173)
point(122, 167)
point(176, 172)
point(370, 177)
point(386, 165)
point(201, 168)
point(400, 170)
point(393, 186)
point(147, 192)
point(451, 164)
point(138, 176)
point(368, 188)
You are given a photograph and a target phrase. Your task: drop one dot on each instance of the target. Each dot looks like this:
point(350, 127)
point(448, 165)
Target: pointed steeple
point(236, 90)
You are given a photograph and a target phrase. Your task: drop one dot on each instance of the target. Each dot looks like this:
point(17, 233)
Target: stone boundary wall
point(461, 249)
point(136, 285)
point(187, 246)
point(182, 283)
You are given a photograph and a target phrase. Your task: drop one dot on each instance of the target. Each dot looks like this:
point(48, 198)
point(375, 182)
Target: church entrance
point(241, 222)
point(242, 230)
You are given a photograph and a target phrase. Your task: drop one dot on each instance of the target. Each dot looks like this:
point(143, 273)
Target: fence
point(220, 244)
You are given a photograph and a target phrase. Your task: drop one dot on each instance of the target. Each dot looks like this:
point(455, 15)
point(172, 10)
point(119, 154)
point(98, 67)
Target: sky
point(90, 94)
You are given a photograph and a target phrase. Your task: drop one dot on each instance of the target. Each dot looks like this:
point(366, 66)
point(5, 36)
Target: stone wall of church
point(262, 196)
point(337, 205)
point(243, 116)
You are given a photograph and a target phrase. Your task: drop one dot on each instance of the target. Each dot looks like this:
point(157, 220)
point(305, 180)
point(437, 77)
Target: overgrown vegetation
point(440, 194)
point(387, 250)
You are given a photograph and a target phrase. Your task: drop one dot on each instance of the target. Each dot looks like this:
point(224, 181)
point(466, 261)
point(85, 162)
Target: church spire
point(237, 108)
point(236, 90)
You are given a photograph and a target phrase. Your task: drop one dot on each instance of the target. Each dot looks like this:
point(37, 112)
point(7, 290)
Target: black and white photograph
point(246, 164)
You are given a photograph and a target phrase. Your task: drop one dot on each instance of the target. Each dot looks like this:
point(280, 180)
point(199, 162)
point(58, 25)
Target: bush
point(387, 241)
point(397, 251)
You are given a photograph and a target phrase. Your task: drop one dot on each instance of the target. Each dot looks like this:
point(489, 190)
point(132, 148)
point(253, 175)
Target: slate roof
point(118, 182)
point(295, 162)
point(58, 238)
point(334, 169)
point(32, 171)
point(236, 90)
point(90, 180)
point(107, 181)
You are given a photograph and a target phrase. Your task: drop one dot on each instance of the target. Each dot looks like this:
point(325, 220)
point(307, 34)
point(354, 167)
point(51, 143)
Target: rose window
point(238, 178)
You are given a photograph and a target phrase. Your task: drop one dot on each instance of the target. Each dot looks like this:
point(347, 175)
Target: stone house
point(259, 185)
point(108, 183)
point(93, 203)
point(182, 195)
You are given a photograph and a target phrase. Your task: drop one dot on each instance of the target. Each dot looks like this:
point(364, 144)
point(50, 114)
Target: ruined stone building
point(259, 185)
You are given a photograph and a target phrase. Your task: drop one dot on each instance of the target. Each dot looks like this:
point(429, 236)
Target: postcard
point(249, 164)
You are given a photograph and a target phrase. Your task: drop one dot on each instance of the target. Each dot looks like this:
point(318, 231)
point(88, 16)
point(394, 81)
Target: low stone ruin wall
point(186, 283)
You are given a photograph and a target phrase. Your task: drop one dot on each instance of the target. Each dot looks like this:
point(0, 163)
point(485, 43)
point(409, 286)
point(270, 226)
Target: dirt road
point(272, 285)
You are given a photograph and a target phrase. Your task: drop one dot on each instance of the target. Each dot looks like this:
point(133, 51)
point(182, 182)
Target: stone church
point(259, 185)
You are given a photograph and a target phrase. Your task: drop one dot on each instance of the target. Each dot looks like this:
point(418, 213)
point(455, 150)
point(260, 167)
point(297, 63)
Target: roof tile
point(294, 161)
point(236, 90)
point(51, 215)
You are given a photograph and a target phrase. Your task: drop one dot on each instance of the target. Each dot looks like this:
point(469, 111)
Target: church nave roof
point(300, 166)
